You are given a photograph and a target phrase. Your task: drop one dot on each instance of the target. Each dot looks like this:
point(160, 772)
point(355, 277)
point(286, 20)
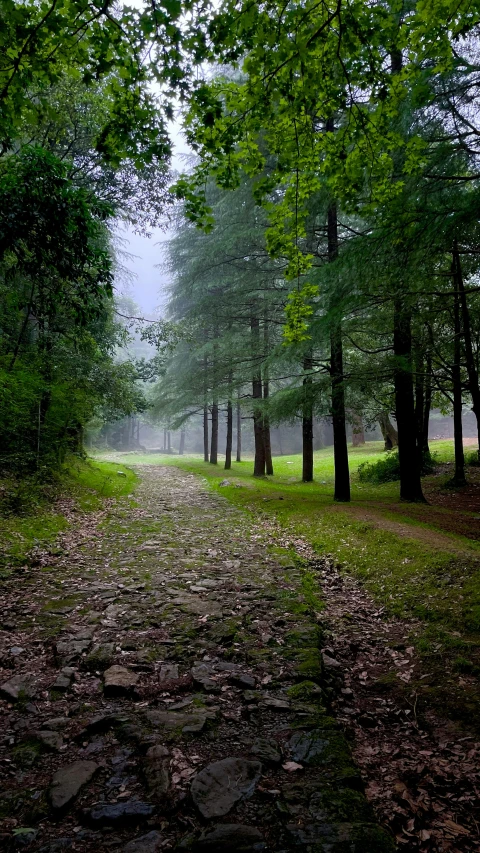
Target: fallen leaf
point(291, 766)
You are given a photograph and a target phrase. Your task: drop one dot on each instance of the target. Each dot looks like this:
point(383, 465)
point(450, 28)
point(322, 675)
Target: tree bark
point(307, 422)
point(258, 431)
point(390, 434)
point(214, 439)
point(266, 435)
point(358, 432)
point(228, 447)
point(205, 433)
point(419, 401)
point(239, 432)
point(459, 476)
point(427, 406)
point(340, 449)
point(410, 482)
point(472, 371)
point(181, 448)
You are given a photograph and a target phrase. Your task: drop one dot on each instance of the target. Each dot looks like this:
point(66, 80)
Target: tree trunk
point(205, 433)
point(214, 440)
point(169, 442)
point(340, 449)
point(358, 432)
point(266, 435)
point(419, 401)
point(181, 448)
point(164, 440)
point(459, 477)
point(307, 422)
point(410, 482)
point(279, 439)
point(427, 406)
point(258, 431)
point(472, 371)
point(228, 447)
point(390, 434)
point(239, 432)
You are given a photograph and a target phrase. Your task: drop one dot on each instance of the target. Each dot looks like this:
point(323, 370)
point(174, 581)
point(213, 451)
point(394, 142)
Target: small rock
point(119, 681)
point(202, 676)
point(156, 771)
point(217, 787)
point(100, 657)
point(55, 723)
point(52, 740)
point(16, 650)
point(130, 812)
point(168, 672)
point(149, 843)
point(267, 751)
point(225, 483)
point(64, 679)
point(18, 687)
point(67, 651)
point(231, 837)
point(277, 704)
point(329, 662)
point(68, 781)
point(245, 681)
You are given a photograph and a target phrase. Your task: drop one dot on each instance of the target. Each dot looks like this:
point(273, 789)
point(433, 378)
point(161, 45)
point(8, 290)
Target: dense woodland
point(326, 246)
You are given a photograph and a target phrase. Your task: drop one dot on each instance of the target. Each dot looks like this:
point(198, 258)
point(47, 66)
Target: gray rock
point(149, 843)
point(308, 746)
point(67, 651)
point(119, 681)
point(156, 771)
point(115, 814)
point(221, 784)
point(64, 679)
point(202, 676)
point(68, 781)
point(18, 687)
point(100, 656)
point(267, 751)
point(16, 650)
point(230, 838)
point(55, 723)
point(168, 672)
point(194, 722)
point(52, 740)
point(330, 663)
point(245, 681)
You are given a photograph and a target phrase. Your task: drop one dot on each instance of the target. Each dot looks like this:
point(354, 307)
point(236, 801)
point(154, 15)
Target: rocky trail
point(167, 684)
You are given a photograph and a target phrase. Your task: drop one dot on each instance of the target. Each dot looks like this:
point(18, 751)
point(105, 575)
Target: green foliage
point(387, 470)
point(297, 312)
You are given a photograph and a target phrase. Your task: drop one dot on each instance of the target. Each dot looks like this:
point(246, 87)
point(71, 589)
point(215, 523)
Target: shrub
point(472, 458)
point(387, 470)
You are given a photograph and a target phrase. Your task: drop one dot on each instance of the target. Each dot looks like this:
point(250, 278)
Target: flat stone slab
point(221, 784)
point(119, 681)
point(18, 687)
point(168, 672)
point(179, 720)
point(115, 814)
point(68, 781)
point(156, 771)
point(231, 837)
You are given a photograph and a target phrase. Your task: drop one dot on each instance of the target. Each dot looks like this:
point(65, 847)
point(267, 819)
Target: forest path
point(163, 688)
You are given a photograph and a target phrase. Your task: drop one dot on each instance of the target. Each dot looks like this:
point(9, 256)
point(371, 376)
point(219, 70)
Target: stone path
point(164, 687)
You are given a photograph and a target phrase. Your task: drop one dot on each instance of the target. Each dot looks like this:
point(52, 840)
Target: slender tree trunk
point(279, 439)
point(419, 401)
point(410, 482)
point(181, 448)
point(214, 440)
point(205, 433)
point(239, 432)
point(266, 435)
point(266, 391)
point(428, 405)
point(340, 449)
point(169, 442)
point(307, 421)
point(459, 477)
point(472, 370)
point(164, 440)
point(228, 447)
point(258, 431)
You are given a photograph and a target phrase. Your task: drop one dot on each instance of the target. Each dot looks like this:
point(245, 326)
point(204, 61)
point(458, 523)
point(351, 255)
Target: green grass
point(35, 521)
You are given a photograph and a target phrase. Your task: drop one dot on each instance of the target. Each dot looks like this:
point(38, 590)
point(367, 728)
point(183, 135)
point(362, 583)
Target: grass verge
point(30, 517)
